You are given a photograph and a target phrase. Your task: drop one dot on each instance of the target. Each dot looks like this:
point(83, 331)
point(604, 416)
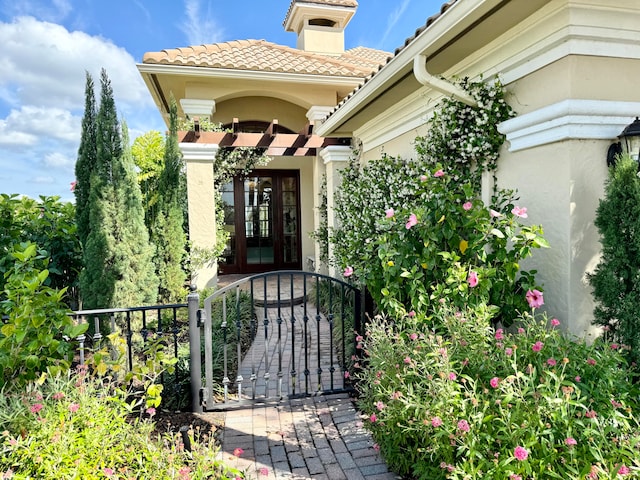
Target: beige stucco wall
point(264, 109)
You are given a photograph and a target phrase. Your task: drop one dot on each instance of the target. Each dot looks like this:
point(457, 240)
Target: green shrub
point(616, 280)
point(50, 224)
point(78, 427)
point(444, 243)
point(32, 339)
point(473, 402)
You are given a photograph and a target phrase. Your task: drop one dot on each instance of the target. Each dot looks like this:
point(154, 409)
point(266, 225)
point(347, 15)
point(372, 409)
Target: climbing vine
point(229, 161)
point(465, 139)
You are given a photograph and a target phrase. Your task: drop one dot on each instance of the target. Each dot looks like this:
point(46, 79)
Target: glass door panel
point(258, 220)
point(229, 255)
point(289, 220)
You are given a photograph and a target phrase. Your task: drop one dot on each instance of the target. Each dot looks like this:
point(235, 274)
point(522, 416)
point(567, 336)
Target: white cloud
point(42, 83)
point(52, 11)
point(393, 20)
point(45, 65)
point(29, 124)
point(59, 161)
point(42, 179)
point(199, 26)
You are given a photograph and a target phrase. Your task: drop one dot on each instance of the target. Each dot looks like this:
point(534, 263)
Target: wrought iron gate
point(278, 334)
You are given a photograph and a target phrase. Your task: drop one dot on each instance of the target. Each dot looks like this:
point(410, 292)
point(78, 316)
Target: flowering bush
point(77, 427)
point(466, 139)
point(474, 402)
point(446, 244)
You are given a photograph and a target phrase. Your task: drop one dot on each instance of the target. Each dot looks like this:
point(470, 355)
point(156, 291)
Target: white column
point(335, 159)
point(199, 159)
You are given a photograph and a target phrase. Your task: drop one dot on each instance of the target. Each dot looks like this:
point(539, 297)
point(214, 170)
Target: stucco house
point(569, 67)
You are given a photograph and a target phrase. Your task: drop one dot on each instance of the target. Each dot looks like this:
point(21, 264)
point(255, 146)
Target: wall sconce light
point(629, 144)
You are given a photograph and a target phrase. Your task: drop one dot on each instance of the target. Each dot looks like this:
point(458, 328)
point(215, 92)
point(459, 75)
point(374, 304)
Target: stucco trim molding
point(569, 120)
point(197, 107)
point(199, 152)
point(336, 153)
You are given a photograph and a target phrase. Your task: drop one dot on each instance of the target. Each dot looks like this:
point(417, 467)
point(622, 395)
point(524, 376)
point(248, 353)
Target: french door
point(262, 216)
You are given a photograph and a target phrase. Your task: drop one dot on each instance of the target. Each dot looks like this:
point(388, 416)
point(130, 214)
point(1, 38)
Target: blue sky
point(46, 46)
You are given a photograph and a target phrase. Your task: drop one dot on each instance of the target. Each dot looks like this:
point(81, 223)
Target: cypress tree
point(168, 219)
point(118, 268)
point(137, 282)
point(616, 280)
point(86, 161)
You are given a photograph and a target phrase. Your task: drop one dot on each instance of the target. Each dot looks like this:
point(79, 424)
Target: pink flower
point(108, 472)
point(570, 441)
point(439, 173)
point(423, 178)
point(463, 426)
point(73, 408)
point(452, 376)
point(521, 331)
point(348, 272)
point(347, 374)
point(396, 395)
point(494, 382)
point(591, 361)
point(494, 214)
point(73, 186)
point(551, 362)
point(58, 396)
point(520, 212)
point(436, 422)
point(520, 453)
point(373, 418)
point(536, 347)
point(380, 406)
point(390, 213)
point(534, 297)
point(578, 378)
point(555, 322)
point(376, 447)
point(472, 279)
point(264, 471)
point(237, 452)
point(499, 334)
point(467, 206)
point(508, 351)
point(413, 220)
point(411, 314)
point(36, 407)
point(624, 470)
point(413, 336)
point(513, 476)
point(615, 346)
point(407, 360)
point(591, 414)
point(151, 411)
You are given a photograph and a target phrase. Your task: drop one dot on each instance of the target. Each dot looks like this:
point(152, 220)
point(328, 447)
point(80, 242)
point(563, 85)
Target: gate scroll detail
point(284, 334)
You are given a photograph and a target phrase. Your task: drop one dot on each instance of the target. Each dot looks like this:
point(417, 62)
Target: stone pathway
point(320, 437)
point(315, 437)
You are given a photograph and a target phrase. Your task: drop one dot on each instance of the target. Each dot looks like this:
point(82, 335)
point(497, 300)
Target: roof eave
point(457, 19)
point(302, 78)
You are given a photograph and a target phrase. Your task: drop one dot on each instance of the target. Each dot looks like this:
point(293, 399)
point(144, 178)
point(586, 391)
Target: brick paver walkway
point(319, 438)
point(316, 437)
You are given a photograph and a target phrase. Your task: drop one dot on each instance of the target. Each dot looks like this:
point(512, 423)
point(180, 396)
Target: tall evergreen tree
point(168, 219)
point(118, 268)
point(616, 281)
point(86, 161)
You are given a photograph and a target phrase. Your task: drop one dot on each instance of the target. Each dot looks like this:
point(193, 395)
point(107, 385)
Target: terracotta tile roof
point(263, 56)
point(332, 3)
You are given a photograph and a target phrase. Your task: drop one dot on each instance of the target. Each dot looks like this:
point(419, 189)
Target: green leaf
point(497, 233)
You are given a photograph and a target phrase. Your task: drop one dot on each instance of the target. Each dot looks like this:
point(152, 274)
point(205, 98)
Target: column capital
point(336, 153)
point(317, 113)
point(199, 152)
point(197, 107)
